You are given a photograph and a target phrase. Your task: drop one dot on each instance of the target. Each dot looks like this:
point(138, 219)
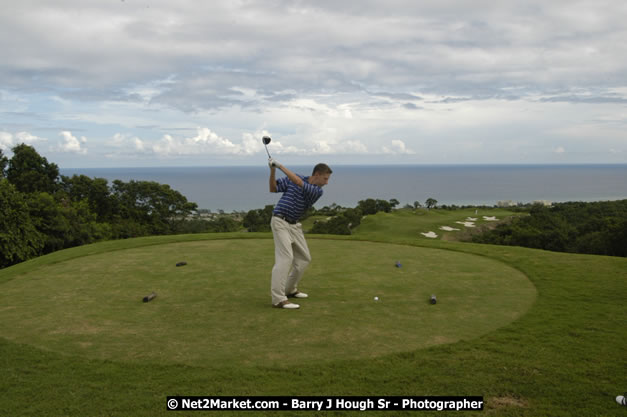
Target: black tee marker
point(150, 297)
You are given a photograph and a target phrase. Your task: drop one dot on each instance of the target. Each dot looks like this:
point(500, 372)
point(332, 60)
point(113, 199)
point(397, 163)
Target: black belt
point(282, 217)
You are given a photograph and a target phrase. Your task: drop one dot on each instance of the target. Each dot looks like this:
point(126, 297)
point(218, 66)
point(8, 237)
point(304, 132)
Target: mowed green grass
point(564, 357)
point(412, 223)
point(216, 309)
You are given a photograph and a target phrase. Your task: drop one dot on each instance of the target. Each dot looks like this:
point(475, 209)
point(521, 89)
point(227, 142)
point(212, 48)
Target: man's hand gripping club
point(273, 164)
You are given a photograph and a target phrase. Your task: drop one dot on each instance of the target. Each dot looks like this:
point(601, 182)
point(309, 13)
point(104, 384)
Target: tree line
point(42, 211)
point(342, 220)
point(598, 228)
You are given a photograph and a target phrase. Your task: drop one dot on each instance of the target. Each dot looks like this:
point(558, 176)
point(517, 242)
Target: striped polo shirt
point(296, 200)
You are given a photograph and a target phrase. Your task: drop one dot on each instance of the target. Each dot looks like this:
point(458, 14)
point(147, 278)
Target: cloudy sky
point(105, 83)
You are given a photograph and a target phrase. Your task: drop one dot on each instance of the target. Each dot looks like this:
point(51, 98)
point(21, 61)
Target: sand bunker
point(467, 224)
point(447, 228)
point(471, 219)
point(430, 235)
point(490, 218)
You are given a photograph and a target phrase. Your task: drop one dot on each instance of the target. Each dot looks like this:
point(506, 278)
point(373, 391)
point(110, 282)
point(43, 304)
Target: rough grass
point(564, 357)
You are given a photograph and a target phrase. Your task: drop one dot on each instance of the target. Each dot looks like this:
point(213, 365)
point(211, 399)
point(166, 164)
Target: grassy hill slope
point(564, 357)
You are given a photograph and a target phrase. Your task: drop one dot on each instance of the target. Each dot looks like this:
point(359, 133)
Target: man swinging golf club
point(291, 254)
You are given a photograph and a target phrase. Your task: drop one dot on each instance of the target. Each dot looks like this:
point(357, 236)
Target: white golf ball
point(376, 298)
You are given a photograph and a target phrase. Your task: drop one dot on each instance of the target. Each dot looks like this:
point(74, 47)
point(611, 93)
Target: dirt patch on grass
point(496, 404)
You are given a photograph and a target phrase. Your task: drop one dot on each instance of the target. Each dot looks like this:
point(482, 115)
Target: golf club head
point(266, 140)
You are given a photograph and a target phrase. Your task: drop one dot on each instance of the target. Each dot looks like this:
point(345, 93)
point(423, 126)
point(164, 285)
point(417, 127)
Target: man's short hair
point(322, 169)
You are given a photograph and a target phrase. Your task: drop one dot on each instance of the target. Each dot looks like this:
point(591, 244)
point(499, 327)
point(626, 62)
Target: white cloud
point(559, 150)
point(168, 146)
point(127, 47)
point(118, 140)
point(138, 143)
point(8, 140)
point(128, 143)
point(276, 147)
point(354, 146)
point(28, 138)
point(441, 75)
point(339, 147)
point(72, 144)
point(205, 142)
point(397, 147)
point(252, 144)
point(208, 139)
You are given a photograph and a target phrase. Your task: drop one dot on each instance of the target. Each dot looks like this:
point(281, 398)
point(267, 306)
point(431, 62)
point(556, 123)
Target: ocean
point(246, 188)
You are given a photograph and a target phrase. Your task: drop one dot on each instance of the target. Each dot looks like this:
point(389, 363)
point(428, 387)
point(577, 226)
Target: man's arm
point(292, 177)
point(273, 179)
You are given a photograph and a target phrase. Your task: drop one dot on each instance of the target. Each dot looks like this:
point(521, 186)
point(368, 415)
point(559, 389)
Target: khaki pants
point(291, 258)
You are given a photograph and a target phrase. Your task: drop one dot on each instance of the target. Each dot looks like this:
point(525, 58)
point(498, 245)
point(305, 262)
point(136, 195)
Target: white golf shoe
point(286, 304)
point(298, 294)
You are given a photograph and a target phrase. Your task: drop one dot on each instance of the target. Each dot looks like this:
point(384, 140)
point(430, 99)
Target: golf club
point(266, 140)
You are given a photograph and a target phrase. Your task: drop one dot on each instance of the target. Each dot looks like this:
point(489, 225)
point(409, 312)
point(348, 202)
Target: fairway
point(216, 309)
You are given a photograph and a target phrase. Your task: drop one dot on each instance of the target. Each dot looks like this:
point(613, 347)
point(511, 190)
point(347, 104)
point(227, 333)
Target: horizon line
point(531, 164)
